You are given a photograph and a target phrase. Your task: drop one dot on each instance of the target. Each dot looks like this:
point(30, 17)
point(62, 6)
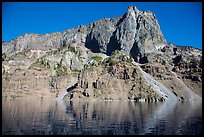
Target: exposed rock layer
point(102, 58)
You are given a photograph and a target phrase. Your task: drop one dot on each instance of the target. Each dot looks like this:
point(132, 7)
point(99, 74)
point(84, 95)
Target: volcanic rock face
point(33, 41)
point(112, 83)
point(136, 32)
point(139, 32)
point(101, 60)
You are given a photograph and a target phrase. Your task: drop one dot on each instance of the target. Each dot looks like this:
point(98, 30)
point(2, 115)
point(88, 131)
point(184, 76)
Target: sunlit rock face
point(105, 51)
point(136, 32)
point(139, 33)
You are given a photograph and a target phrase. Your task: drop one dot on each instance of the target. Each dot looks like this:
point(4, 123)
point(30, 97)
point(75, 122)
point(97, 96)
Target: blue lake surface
point(33, 116)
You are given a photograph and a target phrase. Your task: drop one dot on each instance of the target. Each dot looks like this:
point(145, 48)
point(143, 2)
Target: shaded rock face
point(101, 36)
point(136, 32)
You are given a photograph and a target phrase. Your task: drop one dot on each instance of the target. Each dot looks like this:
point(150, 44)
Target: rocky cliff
point(101, 60)
point(136, 32)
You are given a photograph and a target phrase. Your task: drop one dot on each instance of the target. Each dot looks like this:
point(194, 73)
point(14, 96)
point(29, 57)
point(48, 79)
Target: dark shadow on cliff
point(112, 45)
point(92, 44)
point(72, 87)
point(134, 52)
point(137, 56)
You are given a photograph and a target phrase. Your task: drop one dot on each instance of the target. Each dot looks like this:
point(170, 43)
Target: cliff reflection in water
point(34, 116)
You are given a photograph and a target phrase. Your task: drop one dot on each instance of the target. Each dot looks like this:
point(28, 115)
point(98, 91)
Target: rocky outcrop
point(33, 41)
point(177, 80)
point(139, 32)
point(188, 68)
point(158, 71)
point(121, 81)
point(103, 56)
point(136, 32)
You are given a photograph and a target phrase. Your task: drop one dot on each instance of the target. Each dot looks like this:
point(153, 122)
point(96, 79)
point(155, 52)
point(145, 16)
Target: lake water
point(45, 117)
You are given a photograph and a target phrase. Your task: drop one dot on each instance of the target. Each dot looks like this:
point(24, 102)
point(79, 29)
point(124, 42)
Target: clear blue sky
point(180, 22)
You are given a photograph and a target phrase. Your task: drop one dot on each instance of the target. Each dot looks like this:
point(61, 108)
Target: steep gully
point(170, 104)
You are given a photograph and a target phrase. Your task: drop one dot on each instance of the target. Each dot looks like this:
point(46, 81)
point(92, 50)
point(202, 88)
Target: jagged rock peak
point(136, 32)
point(134, 11)
point(132, 8)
